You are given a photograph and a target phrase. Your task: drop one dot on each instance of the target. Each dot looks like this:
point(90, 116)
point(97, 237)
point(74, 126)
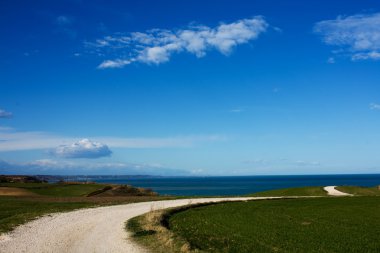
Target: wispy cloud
point(13, 140)
point(256, 161)
point(5, 115)
point(65, 25)
point(59, 167)
point(64, 20)
point(357, 35)
point(307, 163)
point(156, 46)
point(331, 60)
point(237, 110)
point(118, 63)
point(374, 106)
point(82, 149)
point(282, 162)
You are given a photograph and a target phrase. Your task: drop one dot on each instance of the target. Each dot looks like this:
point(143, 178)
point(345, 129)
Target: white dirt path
point(334, 192)
point(89, 230)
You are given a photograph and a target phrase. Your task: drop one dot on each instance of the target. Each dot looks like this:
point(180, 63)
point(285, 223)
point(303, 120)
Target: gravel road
point(92, 230)
point(334, 192)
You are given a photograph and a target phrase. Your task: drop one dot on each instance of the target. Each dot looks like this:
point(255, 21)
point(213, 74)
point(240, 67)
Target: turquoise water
point(223, 186)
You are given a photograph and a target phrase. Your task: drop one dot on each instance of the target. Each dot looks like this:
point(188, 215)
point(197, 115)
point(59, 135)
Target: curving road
point(99, 229)
point(334, 192)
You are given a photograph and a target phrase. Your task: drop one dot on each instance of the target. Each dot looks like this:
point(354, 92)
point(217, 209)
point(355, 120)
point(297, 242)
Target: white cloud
point(118, 63)
point(5, 115)
point(158, 45)
point(82, 149)
point(357, 35)
point(374, 106)
point(12, 140)
point(366, 56)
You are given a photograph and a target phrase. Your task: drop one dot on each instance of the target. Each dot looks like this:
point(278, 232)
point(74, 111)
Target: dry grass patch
point(149, 231)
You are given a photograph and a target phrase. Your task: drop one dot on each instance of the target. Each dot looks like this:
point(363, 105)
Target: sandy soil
point(99, 229)
point(12, 191)
point(334, 192)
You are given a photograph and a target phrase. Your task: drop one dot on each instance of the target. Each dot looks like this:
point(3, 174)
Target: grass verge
point(150, 231)
point(298, 191)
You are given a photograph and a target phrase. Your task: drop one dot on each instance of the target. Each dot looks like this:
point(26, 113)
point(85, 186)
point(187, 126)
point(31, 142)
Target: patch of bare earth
point(12, 191)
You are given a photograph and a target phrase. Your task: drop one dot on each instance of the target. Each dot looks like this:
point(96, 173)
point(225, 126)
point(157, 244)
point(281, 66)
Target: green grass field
point(360, 191)
point(24, 185)
point(348, 224)
point(67, 190)
point(14, 211)
point(299, 191)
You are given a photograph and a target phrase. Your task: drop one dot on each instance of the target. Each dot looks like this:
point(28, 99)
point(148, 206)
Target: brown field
point(13, 191)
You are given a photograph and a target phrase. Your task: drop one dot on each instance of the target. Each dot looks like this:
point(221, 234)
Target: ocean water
point(224, 186)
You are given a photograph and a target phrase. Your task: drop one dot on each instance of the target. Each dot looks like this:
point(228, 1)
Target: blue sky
point(189, 87)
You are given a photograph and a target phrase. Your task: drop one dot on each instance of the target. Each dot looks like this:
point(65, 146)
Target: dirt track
point(334, 192)
point(99, 229)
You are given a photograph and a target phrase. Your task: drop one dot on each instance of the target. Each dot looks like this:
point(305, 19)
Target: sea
point(234, 185)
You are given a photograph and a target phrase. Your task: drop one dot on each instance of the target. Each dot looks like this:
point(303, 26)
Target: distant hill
point(21, 179)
